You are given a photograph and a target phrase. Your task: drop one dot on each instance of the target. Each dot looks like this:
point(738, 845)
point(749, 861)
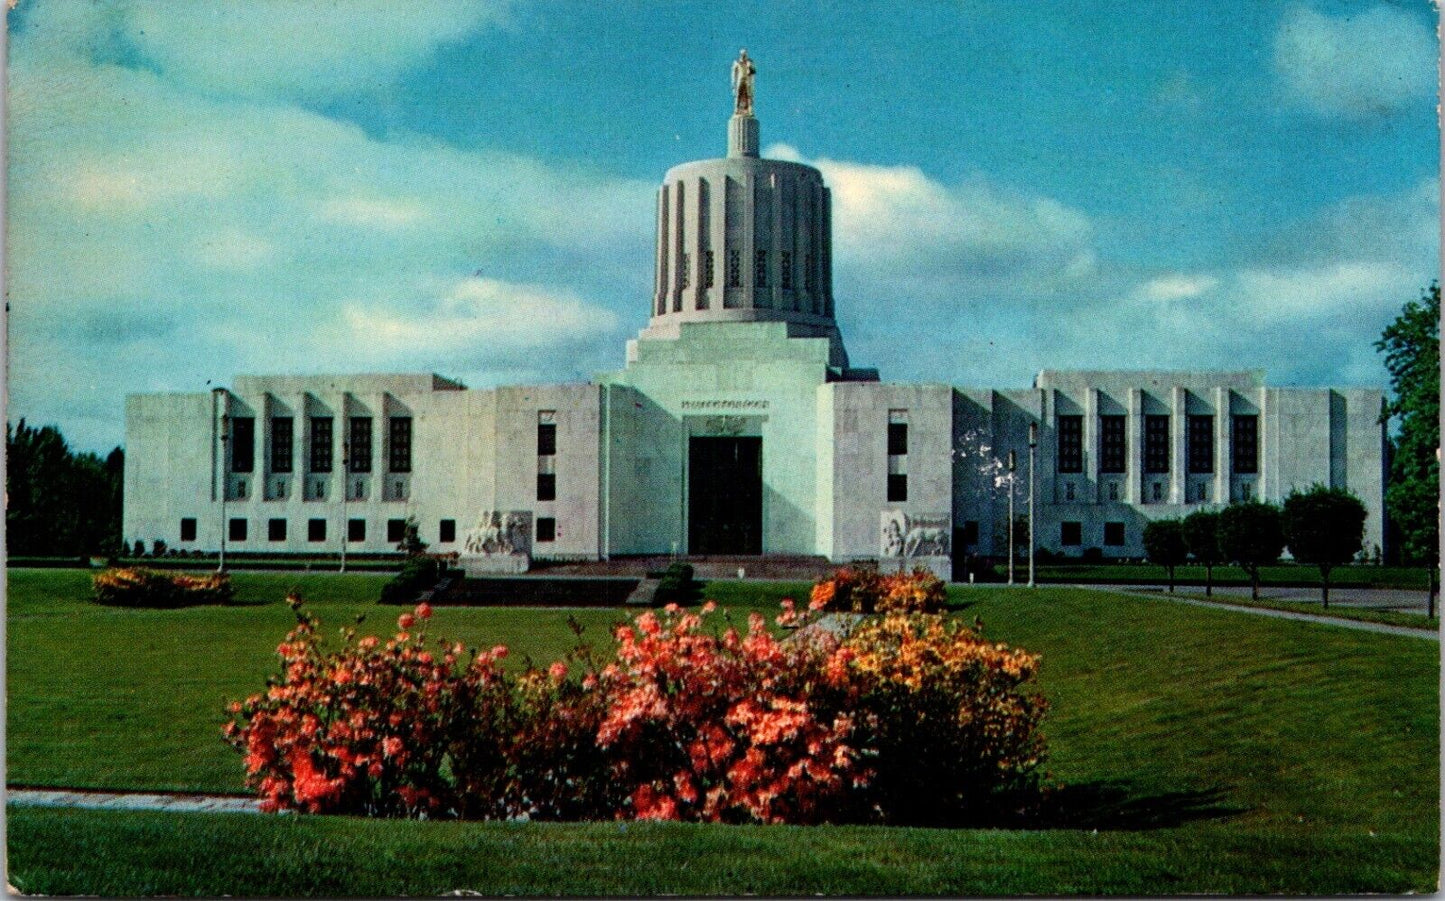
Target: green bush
point(675, 584)
point(417, 574)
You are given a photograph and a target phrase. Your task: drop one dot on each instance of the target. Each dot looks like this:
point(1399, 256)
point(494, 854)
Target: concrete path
point(1380, 628)
point(100, 800)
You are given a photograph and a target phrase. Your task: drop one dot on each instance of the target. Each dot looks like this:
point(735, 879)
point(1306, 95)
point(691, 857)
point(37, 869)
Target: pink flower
point(405, 621)
point(558, 671)
point(499, 651)
point(423, 610)
point(391, 746)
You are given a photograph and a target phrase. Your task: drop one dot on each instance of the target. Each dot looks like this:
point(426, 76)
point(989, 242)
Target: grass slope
point(1202, 750)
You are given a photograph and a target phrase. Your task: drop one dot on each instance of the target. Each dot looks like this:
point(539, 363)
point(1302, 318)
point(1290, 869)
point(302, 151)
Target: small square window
point(1203, 492)
point(546, 528)
point(546, 486)
point(188, 529)
point(898, 487)
point(1114, 534)
point(395, 530)
point(1071, 534)
point(236, 530)
point(316, 530)
point(447, 531)
point(1158, 491)
point(276, 530)
point(356, 530)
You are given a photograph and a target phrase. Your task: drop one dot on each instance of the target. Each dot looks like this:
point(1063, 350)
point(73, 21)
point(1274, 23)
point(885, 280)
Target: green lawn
point(1201, 751)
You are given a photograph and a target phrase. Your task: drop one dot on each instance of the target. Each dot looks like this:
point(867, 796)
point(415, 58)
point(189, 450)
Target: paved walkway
point(1405, 600)
point(179, 803)
point(1380, 628)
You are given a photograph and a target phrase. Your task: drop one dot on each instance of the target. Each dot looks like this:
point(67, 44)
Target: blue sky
point(202, 190)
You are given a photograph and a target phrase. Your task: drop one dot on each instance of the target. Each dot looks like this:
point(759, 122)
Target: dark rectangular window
point(447, 531)
point(355, 530)
point(1071, 444)
point(276, 530)
point(399, 452)
point(546, 439)
point(321, 444)
point(1246, 444)
point(760, 270)
point(243, 444)
point(686, 268)
point(281, 441)
point(315, 530)
point(188, 529)
point(735, 269)
point(1113, 445)
point(970, 533)
point(1114, 534)
point(897, 487)
point(360, 444)
point(785, 267)
point(395, 530)
point(237, 530)
point(897, 439)
point(546, 528)
point(1201, 444)
point(546, 486)
point(705, 276)
point(1156, 443)
point(1071, 534)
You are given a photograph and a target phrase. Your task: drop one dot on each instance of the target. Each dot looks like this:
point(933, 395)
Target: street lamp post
point(1011, 462)
point(1033, 452)
point(345, 493)
point(225, 487)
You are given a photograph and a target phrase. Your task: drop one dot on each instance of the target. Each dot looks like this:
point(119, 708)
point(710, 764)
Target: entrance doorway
point(725, 495)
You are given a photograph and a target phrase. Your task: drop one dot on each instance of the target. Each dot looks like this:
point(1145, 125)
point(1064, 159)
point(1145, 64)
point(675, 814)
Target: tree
point(1164, 545)
point(1201, 536)
point(411, 543)
point(1251, 535)
point(1411, 345)
point(59, 503)
point(1324, 527)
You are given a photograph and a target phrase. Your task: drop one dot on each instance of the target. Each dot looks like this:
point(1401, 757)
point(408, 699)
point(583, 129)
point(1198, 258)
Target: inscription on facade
point(724, 405)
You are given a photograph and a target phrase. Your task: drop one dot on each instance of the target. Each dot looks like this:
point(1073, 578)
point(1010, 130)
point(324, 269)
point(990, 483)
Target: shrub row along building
point(738, 426)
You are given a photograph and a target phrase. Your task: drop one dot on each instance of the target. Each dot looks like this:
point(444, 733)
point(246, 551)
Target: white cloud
point(1366, 63)
point(1177, 287)
point(284, 48)
point(898, 232)
point(478, 319)
point(161, 235)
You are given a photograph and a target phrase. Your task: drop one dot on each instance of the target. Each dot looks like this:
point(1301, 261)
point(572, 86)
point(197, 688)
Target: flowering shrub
point(721, 728)
point(945, 715)
point(911, 718)
point(365, 729)
point(868, 591)
point(137, 587)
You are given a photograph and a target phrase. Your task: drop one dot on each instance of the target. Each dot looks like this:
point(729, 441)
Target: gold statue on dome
point(743, 72)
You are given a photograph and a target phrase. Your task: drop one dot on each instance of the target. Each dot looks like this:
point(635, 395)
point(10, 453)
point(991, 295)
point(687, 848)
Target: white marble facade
point(737, 411)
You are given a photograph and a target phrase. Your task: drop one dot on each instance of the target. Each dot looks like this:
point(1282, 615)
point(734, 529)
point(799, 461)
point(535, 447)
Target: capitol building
point(738, 425)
